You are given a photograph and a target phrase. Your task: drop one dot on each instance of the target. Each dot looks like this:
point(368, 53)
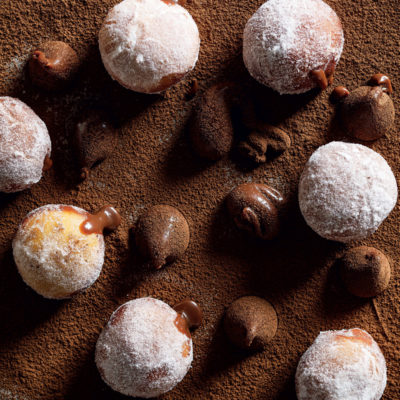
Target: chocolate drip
point(106, 218)
point(190, 315)
point(47, 164)
point(383, 81)
point(320, 78)
point(339, 93)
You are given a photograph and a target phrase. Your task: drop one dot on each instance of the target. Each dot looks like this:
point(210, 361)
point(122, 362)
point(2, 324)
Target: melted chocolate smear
point(383, 81)
point(192, 314)
point(106, 218)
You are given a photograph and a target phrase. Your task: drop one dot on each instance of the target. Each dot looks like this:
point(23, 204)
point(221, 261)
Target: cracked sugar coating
point(340, 365)
point(149, 45)
point(287, 39)
point(24, 144)
point(53, 256)
point(346, 191)
point(141, 352)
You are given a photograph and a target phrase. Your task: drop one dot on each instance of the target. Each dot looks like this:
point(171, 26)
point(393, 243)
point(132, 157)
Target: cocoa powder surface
point(47, 347)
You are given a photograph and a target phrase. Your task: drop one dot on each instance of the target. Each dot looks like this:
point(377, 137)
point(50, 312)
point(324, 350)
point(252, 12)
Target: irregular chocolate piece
point(212, 131)
point(191, 312)
point(383, 81)
point(106, 218)
point(95, 139)
point(367, 113)
point(53, 65)
point(339, 93)
point(162, 235)
point(266, 141)
point(250, 322)
point(365, 271)
point(254, 208)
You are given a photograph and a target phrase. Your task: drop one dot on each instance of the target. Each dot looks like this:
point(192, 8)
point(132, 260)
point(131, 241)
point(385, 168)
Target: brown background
point(46, 347)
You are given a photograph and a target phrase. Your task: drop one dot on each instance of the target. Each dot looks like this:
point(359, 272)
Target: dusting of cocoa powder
point(47, 347)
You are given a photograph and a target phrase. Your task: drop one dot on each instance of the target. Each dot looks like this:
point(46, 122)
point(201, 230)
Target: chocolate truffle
point(340, 365)
point(95, 139)
point(162, 235)
point(149, 45)
point(266, 142)
point(365, 271)
point(254, 207)
point(25, 146)
point(250, 322)
point(367, 113)
point(346, 191)
point(293, 46)
point(145, 349)
point(59, 249)
point(211, 129)
point(53, 65)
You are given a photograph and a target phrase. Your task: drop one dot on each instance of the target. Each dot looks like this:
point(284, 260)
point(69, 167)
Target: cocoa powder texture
point(47, 347)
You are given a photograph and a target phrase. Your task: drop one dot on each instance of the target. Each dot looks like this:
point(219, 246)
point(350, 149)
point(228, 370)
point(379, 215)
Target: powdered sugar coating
point(53, 256)
point(346, 191)
point(141, 352)
point(24, 144)
point(148, 45)
point(287, 39)
point(340, 365)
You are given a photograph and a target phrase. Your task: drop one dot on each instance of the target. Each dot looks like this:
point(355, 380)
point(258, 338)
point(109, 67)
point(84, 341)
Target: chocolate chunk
point(162, 235)
point(254, 208)
point(367, 113)
point(266, 142)
point(53, 65)
point(250, 323)
point(212, 131)
point(365, 271)
point(95, 139)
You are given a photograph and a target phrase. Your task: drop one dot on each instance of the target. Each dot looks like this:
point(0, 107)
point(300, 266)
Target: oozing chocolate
point(53, 65)
point(47, 164)
point(320, 78)
point(162, 235)
point(254, 208)
point(106, 218)
point(191, 312)
point(383, 81)
point(339, 93)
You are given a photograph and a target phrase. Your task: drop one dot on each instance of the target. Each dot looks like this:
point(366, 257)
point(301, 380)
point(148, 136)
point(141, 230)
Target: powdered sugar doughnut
point(52, 253)
point(346, 191)
point(340, 365)
point(24, 145)
point(142, 351)
point(149, 45)
point(286, 40)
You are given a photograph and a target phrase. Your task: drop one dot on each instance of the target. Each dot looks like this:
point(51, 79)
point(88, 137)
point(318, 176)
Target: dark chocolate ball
point(254, 207)
point(367, 113)
point(250, 322)
point(162, 235)
point(365, 271)
point(53, 65)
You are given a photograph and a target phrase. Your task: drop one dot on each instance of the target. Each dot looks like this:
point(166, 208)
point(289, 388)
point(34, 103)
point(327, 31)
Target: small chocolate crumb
point(162, 235)
point(53, 65)
point(250, 323)
point(95, 139)
point(254, 208)
point(266, 142)
point(365, 271)
point(212, 131)
point(367, 113)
